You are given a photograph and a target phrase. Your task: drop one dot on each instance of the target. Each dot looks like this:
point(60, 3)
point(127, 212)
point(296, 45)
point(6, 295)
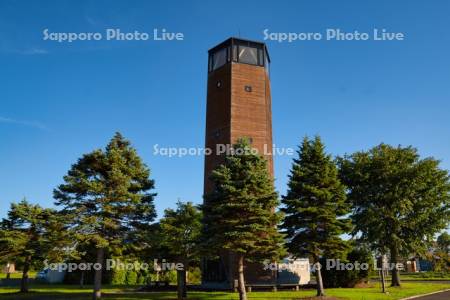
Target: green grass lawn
point(64, 292)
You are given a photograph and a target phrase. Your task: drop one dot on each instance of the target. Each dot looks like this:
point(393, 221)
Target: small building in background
point(412, 265)
point(294, 271)
point(9, 268)
point(51, 276)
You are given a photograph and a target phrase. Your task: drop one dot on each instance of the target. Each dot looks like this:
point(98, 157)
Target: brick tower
point(238, 105)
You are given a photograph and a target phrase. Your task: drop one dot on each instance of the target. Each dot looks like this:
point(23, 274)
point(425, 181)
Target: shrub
point(141, 277)
point(118, 276)
point(169, 276)
point(131, 277)
point(348, 278)
point(194, 275)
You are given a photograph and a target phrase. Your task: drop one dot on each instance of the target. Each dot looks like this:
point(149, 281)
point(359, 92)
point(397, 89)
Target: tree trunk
point(241, 279)
point(320, 290)
point(184, 281)
point(82, 279)
point(395, 272)
point(24, 281)
point(383, 283)
point(8, 270)
point(98, 274)
point(181, 283)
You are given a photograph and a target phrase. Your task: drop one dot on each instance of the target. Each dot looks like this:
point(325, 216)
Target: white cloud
point(33, 51)
point(25, 51)
point(33, 124)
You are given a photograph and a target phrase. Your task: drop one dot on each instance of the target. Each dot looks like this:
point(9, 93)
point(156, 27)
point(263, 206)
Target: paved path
point(437, 296)
point(414, 280)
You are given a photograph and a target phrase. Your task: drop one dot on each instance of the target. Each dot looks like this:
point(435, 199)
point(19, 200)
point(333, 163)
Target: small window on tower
point(248, 88)
point(216, 134)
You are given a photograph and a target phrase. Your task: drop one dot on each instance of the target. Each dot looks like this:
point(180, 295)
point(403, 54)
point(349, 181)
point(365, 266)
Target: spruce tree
point(315, 207)
point(30, 233)
point(181, 230)
point(107, 199)
point(239, 213)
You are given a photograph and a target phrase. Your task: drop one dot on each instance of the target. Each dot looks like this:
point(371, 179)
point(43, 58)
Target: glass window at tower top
point(219, 58)
point(248, 55)
point(240, 51)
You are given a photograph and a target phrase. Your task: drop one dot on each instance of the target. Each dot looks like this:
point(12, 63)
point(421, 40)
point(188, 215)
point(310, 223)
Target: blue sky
point(60, 100)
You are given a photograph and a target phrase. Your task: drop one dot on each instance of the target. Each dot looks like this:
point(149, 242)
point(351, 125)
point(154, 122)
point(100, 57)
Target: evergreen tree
point(239, 213)
point(107, 200)
point(30, 233)
point(399, 200)
point(181, 229)
point(315, 207)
